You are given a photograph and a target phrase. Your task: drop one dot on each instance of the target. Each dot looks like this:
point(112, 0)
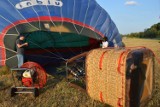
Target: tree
point(152, 32)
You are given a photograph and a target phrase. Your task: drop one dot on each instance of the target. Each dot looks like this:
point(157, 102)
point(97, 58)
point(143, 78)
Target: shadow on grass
point(1, 84)
point(4, 70)
point(5, 82)
point(55, 75)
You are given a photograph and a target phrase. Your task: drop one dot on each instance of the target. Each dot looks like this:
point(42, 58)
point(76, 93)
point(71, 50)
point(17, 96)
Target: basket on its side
point(120, 77)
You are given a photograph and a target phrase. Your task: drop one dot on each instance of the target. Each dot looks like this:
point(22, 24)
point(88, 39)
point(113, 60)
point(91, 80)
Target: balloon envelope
point(80, 17)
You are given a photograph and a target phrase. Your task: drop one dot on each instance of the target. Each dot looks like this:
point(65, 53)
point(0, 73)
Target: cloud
point(131, 3)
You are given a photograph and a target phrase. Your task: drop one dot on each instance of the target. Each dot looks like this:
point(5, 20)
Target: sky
point(132, 15)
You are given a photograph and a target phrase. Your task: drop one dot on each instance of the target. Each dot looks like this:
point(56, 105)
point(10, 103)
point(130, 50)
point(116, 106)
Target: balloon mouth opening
point(51, 43)
point(52, 47)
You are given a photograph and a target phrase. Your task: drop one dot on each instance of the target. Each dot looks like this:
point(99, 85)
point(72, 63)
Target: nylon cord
point(48, 51)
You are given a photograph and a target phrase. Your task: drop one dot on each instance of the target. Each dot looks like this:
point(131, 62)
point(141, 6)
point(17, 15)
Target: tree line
point(152, 32)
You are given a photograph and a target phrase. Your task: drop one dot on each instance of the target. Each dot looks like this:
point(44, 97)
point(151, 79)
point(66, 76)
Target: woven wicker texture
point(106, 75)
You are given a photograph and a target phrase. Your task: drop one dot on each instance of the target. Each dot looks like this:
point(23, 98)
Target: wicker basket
point(111, 79)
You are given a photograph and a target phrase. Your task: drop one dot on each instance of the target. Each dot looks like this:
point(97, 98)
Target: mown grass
point(4, 70)
point(5, 80)
point(59, 93)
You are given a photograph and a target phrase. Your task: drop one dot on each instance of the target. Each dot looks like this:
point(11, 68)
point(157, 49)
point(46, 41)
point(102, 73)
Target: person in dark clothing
point(21, 44)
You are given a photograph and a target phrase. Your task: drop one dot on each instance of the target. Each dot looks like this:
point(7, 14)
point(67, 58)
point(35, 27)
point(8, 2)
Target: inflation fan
point(28, 79)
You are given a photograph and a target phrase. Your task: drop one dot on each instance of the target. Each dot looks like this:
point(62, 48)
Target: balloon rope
point(8, 58)
point(61, 14)
point(8, 49)
point(74, 18)
point(57, 28)
point(9, 34)
point(67, 43)
point(85, 15)
point(43, 56)
point(48, 51)
point(19, 33)
point(10, 23)
point(38, 17)
point(98, 19)
point(51, 19)
point(107, 30)
point(60, 57)
point(83, 21)
point(22, 15)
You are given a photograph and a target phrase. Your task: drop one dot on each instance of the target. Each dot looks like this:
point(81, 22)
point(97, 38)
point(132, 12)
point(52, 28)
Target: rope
point(8, 49)
point(30, 41)
point(9, 34)
point(60, 57)
point(8, 58)
point(85, 15)
point(54, 48)
point(22, 15)
point(56, 26)
point(37, 17)
point(10, 23)
point(61, 15)
point(74, 18)
point(49, 51)
point(43, 56)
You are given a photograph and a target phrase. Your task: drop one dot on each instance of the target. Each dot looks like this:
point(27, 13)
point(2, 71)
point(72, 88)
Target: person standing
point(105, 42)
point(21, 44)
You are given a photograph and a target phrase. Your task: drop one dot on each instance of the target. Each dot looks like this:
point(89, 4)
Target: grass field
point(59, 93)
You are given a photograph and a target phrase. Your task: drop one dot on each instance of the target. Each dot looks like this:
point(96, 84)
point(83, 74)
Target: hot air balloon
point(55, 29)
